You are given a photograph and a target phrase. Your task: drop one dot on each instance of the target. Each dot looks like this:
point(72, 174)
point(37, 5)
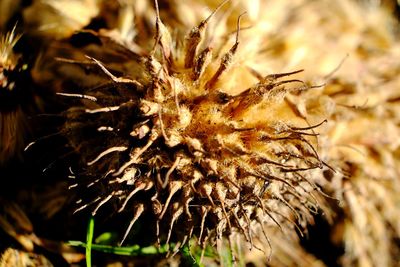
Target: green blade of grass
point(107, 238)
point(89, 240)
point(134, 250)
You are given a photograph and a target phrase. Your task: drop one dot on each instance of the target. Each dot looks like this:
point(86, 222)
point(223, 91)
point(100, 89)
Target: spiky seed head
point(193, 153)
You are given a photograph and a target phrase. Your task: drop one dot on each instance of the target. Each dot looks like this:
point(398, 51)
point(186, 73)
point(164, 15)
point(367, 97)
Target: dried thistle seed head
point(12, 98)
point(182, 146)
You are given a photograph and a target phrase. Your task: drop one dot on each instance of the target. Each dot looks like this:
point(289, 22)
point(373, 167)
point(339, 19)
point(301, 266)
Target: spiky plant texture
point(180, 141)
point(12, 119)
point(360, 99)
point(361, 95)
point(352, 48)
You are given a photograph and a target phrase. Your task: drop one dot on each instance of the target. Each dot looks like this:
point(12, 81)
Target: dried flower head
point(176, 141)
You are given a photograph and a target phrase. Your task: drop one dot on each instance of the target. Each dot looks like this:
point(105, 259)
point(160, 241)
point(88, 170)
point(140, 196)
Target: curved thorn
point(266, 237)
point(178, 212)
point(106, 152)
point(204, 212)
point(173, 167)
point(174, 186)
point(138, 212)
point(87, 204)
point(143, 185)
point(104, 201)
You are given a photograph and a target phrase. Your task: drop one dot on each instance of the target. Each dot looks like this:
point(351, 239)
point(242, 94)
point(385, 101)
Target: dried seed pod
point(198, 152)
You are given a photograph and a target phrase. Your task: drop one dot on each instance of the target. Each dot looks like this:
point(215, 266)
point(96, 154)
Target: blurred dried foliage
point(350, 48)
point(11, 118)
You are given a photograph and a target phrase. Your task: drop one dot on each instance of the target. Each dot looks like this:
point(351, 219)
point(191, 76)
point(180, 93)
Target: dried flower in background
point(7, 9)
point(353, 49)
point(12, 119)
point(59, 18)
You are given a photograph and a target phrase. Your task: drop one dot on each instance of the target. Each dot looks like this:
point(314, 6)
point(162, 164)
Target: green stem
point(89, 240)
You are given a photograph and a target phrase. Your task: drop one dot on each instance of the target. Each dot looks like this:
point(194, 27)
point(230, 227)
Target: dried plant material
point(8, 9)
point(184, 144)
point(19, 99)
point(354, 47)
point(182, 124)
point(59, 19)
point(287, 251)
point(8, 60)
point(45, 200)
point(15, 222)
point(12, 119)
point(18, 258)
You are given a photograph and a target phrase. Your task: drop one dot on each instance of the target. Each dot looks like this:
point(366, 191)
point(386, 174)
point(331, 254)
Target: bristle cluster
point(174, 143)
point(11, 115)
point(8, 60)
